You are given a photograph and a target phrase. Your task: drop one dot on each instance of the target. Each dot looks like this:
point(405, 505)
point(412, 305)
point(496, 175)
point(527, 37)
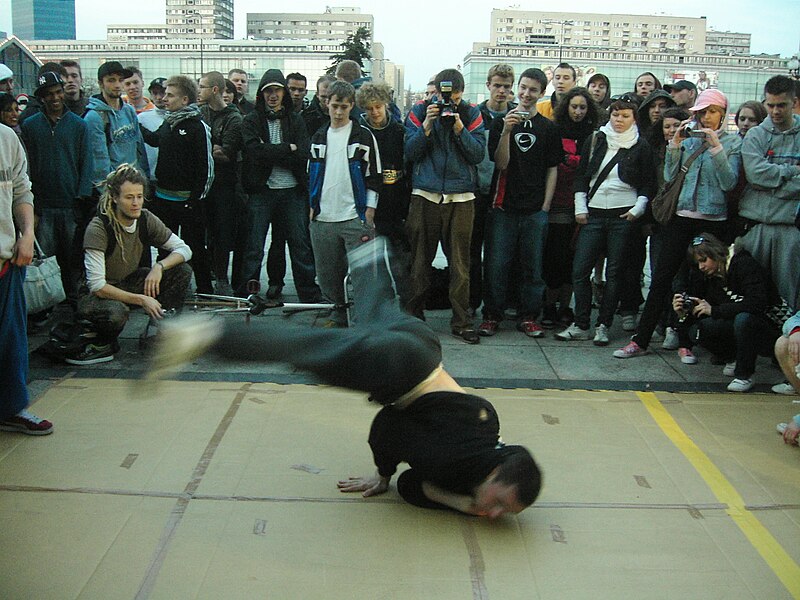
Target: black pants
point(386, 353)
point(187, 220)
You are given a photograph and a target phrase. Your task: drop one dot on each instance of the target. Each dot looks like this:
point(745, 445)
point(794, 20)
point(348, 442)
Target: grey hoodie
point(770, 159)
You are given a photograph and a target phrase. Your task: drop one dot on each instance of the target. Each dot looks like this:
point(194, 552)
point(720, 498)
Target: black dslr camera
point(447, 110)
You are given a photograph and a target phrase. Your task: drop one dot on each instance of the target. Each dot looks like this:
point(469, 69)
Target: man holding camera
point(526, 149)
point(445, 140)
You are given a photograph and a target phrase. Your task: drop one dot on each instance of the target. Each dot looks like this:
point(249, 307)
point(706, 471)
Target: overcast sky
point(429, 36)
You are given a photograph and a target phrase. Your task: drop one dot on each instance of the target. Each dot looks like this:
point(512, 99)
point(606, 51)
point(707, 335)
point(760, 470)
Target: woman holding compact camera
point(723, 309)
point(702, 203)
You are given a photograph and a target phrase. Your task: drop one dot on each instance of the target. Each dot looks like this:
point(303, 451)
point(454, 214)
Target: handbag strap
point(37, 247)
point(695, 154)
point(606, 170)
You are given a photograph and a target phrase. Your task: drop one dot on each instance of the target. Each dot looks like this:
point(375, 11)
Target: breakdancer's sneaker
point(181, 340)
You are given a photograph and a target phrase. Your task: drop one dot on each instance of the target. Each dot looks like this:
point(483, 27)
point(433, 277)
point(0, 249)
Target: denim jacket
point(709, 177)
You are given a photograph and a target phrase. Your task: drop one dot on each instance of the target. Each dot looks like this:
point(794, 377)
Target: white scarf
point(626, 139)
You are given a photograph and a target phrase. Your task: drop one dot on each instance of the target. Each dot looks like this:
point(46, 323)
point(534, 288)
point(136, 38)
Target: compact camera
point(688, 302)
point(691, 131)
point(524, 115)
point(447, 110)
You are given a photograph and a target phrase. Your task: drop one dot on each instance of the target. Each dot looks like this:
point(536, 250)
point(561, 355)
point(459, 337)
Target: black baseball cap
point(157, 82)
point(46, 80)
point(113, 67)
point(679, 85)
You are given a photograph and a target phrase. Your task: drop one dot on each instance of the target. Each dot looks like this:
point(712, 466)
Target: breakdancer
point(448, 437)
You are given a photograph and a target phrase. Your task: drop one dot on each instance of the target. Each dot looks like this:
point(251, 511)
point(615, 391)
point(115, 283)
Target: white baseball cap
point(5, 72)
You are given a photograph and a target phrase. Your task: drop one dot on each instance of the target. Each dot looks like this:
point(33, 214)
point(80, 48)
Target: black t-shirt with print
point(534, 147)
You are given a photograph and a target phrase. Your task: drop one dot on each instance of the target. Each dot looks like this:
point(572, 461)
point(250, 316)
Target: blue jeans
point(13, 343)
point(509, 236)
point(290, 208)
point(603, 234)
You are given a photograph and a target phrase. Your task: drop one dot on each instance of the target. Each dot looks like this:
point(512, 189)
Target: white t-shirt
point(337, 202)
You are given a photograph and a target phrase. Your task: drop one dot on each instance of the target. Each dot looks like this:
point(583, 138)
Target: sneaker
point(629, 322)
point(468, 336)
point(781, 427)
point(631, 350)
point(687, 356)
point(549, 316)
point(741, 385)
point(729, 370)
point(182, 339)
point(601, 335)
point(27, 423)
point(784, 389)
point(92, 354)
point(573, 332)
point(670, 339)
point(530, 328)
point(488, 328)
point(274, 292)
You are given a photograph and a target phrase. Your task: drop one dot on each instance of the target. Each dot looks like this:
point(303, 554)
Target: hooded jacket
point(770, 160)
point(114, 138)
point(444, 162)
point(259, 154)
point(644, 108)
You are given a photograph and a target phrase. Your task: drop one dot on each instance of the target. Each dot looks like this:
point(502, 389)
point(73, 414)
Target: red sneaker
point(488, 328)
point(25, 422)
point(530, 328)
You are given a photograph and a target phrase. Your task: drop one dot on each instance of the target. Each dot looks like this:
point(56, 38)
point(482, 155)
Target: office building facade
point(43, 19)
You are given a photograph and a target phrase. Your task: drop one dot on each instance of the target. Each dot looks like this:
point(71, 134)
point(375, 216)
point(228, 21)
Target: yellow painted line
point(759, 536)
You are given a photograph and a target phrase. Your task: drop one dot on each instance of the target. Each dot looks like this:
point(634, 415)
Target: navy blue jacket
point(60, 159)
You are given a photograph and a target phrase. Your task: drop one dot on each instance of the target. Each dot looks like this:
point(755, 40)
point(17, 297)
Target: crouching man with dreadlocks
point(119, 272)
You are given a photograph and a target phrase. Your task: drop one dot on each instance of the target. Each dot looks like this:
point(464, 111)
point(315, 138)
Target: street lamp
point(794, 66)
point(560, 37)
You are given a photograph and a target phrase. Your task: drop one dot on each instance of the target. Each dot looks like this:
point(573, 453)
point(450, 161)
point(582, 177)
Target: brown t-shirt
point(117, 269)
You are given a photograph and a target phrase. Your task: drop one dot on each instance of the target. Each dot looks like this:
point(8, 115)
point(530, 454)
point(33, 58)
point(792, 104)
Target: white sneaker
point(741, 385)
point(629, 322)
point(601, 335)
point(781, 427)
point(785, 389)
point(573, 332)
point(670, 339)
point(729, 370)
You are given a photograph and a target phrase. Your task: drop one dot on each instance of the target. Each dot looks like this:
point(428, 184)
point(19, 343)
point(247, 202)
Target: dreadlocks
point(125, 173)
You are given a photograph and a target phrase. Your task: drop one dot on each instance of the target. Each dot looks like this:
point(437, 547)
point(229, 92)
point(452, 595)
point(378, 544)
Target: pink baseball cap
point(709, 97)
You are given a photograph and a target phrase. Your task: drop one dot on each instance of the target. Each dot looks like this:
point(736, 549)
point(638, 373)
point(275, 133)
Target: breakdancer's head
point(511, 487)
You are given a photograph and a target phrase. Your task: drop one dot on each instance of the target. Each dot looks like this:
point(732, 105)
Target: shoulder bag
point(42, 286)
point(666, 201)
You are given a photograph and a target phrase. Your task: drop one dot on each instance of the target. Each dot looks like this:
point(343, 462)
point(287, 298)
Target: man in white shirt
point(344, 181)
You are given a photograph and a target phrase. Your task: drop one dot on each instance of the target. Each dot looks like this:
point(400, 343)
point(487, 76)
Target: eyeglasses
point(698, 240)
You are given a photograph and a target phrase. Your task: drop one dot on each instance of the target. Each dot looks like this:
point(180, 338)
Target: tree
point(356, 48)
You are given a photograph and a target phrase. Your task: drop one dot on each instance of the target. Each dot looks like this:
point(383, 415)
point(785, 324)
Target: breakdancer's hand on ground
point(371, 485)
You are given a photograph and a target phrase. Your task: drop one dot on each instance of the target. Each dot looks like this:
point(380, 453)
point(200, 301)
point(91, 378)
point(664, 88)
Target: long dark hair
point(561, 115)
point(655, 137)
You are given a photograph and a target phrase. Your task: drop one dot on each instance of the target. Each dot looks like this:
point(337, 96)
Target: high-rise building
point(727, 42)
point(651, 33)
point(43, 19)
point(208, 19)
point(336, 23)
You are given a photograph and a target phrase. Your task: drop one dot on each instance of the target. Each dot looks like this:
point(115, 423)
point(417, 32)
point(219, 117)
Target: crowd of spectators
point(542, 203)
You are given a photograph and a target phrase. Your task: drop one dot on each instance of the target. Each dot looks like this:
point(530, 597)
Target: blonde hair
point(112, 188)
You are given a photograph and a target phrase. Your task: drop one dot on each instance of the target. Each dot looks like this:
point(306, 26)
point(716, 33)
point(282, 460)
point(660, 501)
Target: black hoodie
point(260, 155)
